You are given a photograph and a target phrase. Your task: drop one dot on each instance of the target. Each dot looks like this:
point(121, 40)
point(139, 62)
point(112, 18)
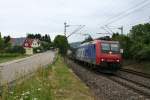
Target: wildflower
point(39, 89)
point(28, 92)
point(23, 94)
point(15, 97)
point(21, 98)
point(25, 97)
point(11, 92)
point(34, 99)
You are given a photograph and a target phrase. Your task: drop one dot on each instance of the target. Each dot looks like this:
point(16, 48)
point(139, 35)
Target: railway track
point(131, 83)
point(102, 84)
point(145, 75)
point(138, 88)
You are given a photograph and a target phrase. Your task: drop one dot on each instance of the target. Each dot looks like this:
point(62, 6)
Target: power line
point(119, 14)
point(75, 31)
point(130, 11)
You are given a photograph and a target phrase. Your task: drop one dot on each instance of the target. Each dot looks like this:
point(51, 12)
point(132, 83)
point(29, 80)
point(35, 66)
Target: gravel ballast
point(102, 87)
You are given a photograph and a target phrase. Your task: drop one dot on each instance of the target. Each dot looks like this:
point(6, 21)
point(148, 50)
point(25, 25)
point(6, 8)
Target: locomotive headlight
point(102, 59)
point(110, 52)
point(118, 60)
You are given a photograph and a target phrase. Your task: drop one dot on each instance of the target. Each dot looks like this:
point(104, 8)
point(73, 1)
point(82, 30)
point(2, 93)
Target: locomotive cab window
point(115, 47)
point(105, 47)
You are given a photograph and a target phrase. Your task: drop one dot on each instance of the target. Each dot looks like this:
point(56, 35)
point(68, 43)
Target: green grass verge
point(56, 82)
point(8, 57)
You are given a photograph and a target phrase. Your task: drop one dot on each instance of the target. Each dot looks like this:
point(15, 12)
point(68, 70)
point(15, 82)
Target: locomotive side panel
point(87, 53)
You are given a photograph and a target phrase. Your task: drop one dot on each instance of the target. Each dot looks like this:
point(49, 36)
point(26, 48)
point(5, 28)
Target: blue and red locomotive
point(100, 53)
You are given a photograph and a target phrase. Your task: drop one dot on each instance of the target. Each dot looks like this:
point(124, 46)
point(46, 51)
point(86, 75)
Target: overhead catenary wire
point(119, 14)
point(128, 12)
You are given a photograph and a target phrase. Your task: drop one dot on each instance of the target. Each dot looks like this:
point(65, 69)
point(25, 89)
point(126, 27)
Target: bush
point(45, 45)
point(143, 54)
point(61, 42)
point(38, 50)
point(16, 49)
point(2, 55)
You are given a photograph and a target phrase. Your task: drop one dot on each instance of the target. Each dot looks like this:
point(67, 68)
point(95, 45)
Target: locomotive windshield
point(105, 47)
point(113, 47)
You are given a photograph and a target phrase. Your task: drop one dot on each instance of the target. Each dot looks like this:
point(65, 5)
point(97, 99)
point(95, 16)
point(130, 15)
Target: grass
point(56, 82)
point(5, 57)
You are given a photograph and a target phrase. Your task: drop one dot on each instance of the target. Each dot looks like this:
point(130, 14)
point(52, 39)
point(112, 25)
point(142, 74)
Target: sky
point(19, 17)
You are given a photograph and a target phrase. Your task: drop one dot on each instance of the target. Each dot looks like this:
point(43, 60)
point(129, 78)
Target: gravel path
point(103, 87)
point(9, 71)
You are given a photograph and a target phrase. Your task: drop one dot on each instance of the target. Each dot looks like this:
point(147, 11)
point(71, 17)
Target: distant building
point(35, 43)
point(29, 44)
point(17, 41)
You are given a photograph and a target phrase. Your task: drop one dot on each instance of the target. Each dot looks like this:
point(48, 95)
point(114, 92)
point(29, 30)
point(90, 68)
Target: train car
point(104, 54)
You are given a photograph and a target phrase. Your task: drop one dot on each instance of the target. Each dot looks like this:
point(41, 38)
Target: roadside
point(15, 69)
point(56, 82)
point(5, 57)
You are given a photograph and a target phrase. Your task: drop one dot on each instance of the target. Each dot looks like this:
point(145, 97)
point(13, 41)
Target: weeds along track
point(24, 77)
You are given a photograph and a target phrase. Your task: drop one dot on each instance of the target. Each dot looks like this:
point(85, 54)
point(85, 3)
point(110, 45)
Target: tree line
point(7, 47)
point(59, 42)
point(136, 43)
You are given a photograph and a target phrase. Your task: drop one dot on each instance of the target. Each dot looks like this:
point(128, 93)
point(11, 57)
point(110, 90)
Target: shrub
point(16, 49)
point(38, 49)
point(143, 54)
point(2, 55)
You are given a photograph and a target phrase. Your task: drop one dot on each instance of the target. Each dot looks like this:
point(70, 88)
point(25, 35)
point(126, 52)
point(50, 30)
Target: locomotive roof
point(109, 41)
point(93, 42)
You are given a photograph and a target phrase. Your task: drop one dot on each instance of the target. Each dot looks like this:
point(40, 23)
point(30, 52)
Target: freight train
point(103, 54)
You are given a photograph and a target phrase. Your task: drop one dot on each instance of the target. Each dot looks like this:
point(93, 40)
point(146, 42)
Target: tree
point(46, 38)
point(125, 43)
point(31, 36)
point(7, 39)
point(1, 43)
point(140, 37)
point(5, 44)
point(38, 36)
point(140, 33)
point(61, 42)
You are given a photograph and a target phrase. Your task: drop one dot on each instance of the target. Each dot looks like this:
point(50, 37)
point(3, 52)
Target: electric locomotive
point(103, 54)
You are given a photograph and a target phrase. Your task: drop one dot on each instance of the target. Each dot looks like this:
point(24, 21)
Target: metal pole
point(65, 26)
point(121, 28)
